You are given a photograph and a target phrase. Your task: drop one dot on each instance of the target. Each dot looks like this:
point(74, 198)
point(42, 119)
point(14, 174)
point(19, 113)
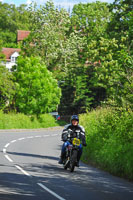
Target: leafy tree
point(121, 27)
point(36, 90)
point(91, 19)
point(121, 15)
point(7, 87)
point(108, 55)
point(12, 18)
point(53, 40)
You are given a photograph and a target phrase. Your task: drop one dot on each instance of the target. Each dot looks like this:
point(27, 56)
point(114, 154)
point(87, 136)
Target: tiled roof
point(9, 51)
point(21, 35)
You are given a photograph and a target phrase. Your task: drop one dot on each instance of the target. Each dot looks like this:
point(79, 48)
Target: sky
point(63, 3)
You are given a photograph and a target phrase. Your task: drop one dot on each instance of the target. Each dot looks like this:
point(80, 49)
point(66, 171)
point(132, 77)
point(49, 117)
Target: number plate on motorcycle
point(76, 141)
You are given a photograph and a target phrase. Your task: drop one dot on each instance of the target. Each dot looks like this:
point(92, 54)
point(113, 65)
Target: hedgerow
point(109, 135)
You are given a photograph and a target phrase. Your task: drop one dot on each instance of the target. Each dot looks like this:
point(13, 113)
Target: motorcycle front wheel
point(73, 160)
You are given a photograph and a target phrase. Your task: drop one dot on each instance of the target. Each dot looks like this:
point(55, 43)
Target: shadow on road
point(52, 175)
point(15, 186)
point(33, 155)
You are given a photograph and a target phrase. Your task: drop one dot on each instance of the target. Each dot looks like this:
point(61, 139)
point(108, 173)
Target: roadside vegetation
point(21, 121)
point(109, 135)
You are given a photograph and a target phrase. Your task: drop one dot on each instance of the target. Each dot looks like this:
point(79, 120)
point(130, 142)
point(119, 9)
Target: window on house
point(13, 59)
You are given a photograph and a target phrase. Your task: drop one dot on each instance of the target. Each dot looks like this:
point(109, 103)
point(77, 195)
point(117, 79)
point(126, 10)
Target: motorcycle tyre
point(73, 160)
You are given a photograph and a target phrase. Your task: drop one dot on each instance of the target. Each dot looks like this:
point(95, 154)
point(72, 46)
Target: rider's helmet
point(74, 117)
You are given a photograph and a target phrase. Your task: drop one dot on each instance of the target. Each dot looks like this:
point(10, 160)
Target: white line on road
point(50, 191)
point(23, 171)
point(38, 136)
point(9, 159)
point(21, 138)
point(54, 135)
point(26, 173)
point(4, 150)
point(13, 141)
point(7, 145)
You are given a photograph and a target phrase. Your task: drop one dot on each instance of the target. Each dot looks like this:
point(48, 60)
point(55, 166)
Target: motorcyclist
point(74, 128)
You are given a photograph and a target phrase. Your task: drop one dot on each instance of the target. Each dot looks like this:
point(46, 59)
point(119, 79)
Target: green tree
point(108, 53)
point(7, 87)
point(53, 40)
point(36, 90)
point(12, 18)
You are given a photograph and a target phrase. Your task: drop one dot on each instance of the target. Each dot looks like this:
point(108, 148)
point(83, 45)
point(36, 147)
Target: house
point(21, 35)
point(11, 54)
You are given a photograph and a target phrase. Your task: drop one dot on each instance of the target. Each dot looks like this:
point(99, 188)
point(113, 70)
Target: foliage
point(89, 53)
point(12, 18)
point(36, 90)
point(57, 46)
point(109, 136)
point(122, 10)
point(91, 19)
point(107, 56)
point(6, 87)
point(21, 121)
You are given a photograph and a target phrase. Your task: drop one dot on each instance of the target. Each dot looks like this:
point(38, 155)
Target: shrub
point(109, 135)
point(21, 121)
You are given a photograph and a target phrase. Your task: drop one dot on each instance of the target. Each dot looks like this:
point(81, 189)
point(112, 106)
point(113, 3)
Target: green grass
point(21, 121)
point(109, 135)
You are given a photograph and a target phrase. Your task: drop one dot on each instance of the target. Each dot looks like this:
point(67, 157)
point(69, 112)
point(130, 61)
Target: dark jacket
point(74, 131)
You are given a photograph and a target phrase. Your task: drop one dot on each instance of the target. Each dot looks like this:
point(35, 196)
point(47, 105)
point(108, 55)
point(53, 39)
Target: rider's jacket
point(74, 131)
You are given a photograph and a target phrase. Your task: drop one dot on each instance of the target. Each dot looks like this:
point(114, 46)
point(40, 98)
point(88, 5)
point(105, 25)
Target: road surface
point(29, 170)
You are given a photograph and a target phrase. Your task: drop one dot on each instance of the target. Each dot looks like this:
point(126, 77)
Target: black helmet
point(74, 117)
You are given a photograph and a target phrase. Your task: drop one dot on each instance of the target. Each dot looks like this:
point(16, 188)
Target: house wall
point(9, 65)
point(12, 62)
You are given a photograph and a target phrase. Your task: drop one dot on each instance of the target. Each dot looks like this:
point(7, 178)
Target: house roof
point(21, 35)
point(9, 51)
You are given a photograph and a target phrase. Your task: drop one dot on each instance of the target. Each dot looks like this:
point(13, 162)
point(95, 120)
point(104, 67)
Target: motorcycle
point(70, 160)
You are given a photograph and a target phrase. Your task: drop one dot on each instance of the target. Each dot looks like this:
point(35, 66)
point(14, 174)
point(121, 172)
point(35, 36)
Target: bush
point(109, 135)
point(21, 121)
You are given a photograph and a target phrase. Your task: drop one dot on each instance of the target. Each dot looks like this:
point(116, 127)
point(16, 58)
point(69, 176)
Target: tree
point(7, 87)
point(52, 39)
point(108, 54)
point(36, 90)
point(12, 18)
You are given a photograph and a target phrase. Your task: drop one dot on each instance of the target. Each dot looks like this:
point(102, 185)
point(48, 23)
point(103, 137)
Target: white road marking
point(21, 138)
point(13, 141)
point(4, 150)
point(7, 145)
point(9, 159)
point(50, 191)
point(54, 135)
point(26, 173)
point(38, 136)
point(30, 137)
point(23, 171)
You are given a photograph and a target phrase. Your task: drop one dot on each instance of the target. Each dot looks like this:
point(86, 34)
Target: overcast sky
point(63, 3)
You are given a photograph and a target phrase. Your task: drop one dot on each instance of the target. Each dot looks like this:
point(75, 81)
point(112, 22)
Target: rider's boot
point(61, 158)
point(77, 164)
point(78, 159)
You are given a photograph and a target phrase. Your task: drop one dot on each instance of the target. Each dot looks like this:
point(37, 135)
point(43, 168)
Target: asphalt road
point(29, 170)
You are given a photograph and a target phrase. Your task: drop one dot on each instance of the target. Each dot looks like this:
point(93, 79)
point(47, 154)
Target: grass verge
point(21, 121)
